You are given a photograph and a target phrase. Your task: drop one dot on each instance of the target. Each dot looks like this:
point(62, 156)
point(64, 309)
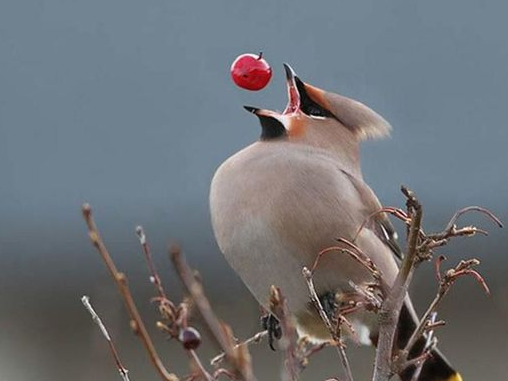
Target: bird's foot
point(329, 302)
point(270, 323)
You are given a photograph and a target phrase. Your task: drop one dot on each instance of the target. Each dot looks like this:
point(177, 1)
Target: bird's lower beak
point(262, 112)
point(293, 105)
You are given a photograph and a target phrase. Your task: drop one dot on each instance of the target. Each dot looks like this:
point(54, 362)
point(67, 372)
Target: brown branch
point(237, 357)
point(207, 376)
point(278, 307)
point(306, 353)
point(389, 312)
point(355, 253)
point(446, 281)
point(430, 343)
point(399, 213)
point(154, 276)
point(122, 284)
point(224, 372)
point(251, 340)
point(124, 373)
point(307, 274)
point(462, 211)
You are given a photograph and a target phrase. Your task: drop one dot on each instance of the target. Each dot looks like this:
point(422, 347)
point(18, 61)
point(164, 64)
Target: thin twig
point(399, 213)
point(154, 276)
point(462, 211)
point(207, 376)
point(234, 356)
point(426, 348)
point(124, 373)
point(224, 372)
point(355, 253)
point(255, 339)
point(445, 283)
point(121, 281)
point(307, 274)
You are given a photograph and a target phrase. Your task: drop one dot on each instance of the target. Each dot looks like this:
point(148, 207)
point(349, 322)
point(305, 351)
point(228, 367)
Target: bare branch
point(124, 373)
point(251, 340)
point(237, 357)
point(224, 372)
point(121, 281)
point(278, 307)
point(333, 332)
point(389, 312)
point(399, 213)
point(355, 253)
point(207, 376)
point(154, 276)
point(462, 211)
point(427, 323)
point(429, 344)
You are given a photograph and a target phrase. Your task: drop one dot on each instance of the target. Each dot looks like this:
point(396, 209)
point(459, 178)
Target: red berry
point(190, 338)
point(251, 71)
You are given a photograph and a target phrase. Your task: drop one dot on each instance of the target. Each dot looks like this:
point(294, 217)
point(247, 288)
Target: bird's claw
point(270, 323)
point(329, 303)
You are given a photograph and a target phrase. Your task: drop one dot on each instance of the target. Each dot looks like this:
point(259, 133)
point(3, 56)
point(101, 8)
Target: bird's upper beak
point(293, 105)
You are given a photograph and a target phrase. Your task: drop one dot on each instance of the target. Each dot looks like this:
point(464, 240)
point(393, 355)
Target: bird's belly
point(262, 260)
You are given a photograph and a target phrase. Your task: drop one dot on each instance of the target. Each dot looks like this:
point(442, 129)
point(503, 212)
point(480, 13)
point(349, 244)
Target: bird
point(278, 202)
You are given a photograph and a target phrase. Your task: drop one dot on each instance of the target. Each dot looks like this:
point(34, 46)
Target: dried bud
point(190, 338)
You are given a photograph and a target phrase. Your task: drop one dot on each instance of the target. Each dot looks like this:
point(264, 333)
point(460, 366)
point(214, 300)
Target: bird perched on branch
point(280, 201)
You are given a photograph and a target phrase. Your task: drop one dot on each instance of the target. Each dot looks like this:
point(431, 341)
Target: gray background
point(128, 105)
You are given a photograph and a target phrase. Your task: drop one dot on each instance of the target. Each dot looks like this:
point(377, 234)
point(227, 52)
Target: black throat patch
point(271, 128)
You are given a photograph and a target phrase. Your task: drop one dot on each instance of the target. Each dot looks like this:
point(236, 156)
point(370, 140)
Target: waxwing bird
point(278, 202)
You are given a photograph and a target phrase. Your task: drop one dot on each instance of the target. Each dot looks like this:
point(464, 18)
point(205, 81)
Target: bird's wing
point(380, 224)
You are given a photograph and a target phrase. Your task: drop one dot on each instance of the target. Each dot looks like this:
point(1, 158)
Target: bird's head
point(319, 118)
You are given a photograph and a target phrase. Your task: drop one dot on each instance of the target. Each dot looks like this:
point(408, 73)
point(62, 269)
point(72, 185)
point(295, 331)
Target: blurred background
point(128, 105)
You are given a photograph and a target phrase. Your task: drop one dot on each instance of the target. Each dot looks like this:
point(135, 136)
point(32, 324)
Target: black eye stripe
point(314, 111)
point(307, 105)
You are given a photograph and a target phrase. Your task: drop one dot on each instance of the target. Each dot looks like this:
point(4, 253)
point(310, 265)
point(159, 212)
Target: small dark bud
point(190, 338)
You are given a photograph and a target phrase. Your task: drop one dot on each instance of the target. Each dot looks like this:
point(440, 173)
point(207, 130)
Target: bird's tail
point(435, 368)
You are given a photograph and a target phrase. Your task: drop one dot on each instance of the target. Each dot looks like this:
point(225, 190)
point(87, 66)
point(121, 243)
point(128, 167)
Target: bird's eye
point(316, 111)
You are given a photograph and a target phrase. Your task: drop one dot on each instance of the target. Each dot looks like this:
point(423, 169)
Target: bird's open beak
point(293, 105)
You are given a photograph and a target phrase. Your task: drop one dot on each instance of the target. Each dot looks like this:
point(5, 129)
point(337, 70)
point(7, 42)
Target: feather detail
point(364, 122)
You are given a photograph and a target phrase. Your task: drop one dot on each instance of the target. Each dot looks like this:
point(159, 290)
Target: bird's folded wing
point(379, 223)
